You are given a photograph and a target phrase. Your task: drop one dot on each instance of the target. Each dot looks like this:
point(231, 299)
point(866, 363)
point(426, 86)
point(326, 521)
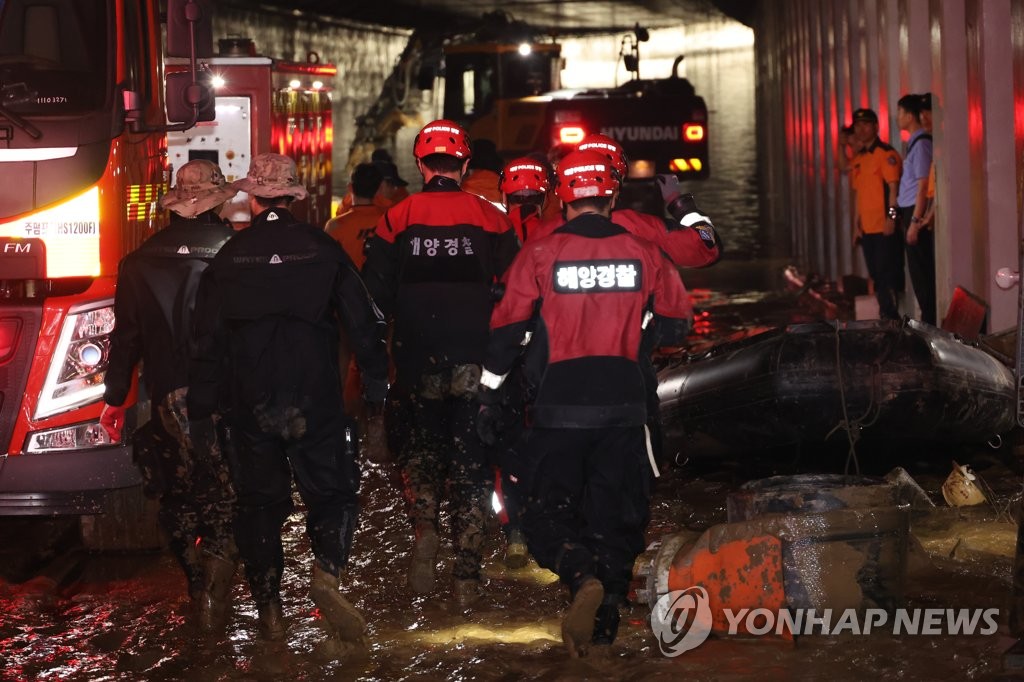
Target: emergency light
point(572, 134)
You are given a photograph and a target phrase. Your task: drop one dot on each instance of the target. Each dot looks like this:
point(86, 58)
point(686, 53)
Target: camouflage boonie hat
point(198, 186)
point(271, 176)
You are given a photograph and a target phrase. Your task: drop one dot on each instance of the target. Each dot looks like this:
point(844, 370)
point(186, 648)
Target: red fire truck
point(264, 104)
point(83, 159)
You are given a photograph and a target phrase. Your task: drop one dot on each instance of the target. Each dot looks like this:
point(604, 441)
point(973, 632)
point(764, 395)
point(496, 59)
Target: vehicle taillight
point(79, 362)
point(693, 132)
point(685, 165)
point(571, 134)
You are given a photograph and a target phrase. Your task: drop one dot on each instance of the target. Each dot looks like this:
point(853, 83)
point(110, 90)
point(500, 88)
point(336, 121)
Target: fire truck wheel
point(128, 523)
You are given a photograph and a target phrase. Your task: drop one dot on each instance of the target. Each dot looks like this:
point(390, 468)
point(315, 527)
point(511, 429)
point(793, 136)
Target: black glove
point(374, 409)
point(490, 421)
point(375, 391)
point(684, 210)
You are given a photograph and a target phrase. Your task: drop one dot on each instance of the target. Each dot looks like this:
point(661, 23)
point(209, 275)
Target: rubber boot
point(578, 623)
point(606, 624)
point(467, 592)
point(424, 558)
point(215, 602)
point(190, 561)
point(516, 554)
point(271, 621)
point(343, 618)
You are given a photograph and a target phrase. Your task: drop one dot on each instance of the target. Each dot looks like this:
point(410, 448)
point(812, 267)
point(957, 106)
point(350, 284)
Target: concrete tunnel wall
point(818, 60)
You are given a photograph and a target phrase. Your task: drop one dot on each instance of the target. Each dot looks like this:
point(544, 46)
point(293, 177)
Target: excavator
point(501, 80)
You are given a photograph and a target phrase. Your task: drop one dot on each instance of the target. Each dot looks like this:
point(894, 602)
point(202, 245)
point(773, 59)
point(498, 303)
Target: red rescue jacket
point(683, 245)
point(588, 294)
point(431, 266)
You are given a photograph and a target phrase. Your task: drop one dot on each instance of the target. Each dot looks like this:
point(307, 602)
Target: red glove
point(112, 421)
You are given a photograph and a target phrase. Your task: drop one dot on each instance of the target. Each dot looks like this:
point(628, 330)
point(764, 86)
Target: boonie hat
point(198, 186)
point(272, 176)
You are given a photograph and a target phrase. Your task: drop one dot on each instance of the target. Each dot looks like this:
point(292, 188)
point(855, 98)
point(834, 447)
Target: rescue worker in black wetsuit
point(267, 334)
point(154, 305)
point(431, 266)
point(589, 292)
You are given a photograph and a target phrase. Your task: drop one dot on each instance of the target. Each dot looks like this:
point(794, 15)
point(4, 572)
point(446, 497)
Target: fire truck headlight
point(79, 362)
point(74, 437)
point(90, 355)
point(525, 49)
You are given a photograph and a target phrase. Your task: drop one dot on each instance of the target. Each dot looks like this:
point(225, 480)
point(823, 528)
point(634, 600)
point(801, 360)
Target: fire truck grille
point(19, 327)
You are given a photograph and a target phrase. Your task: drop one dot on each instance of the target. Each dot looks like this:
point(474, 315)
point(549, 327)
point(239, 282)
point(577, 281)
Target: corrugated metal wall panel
point(818, 61)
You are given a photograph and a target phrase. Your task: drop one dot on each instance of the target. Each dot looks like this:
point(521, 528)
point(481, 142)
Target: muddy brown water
point(125, 617)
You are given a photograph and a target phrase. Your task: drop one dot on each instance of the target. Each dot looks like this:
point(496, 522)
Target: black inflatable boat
point(806, 382)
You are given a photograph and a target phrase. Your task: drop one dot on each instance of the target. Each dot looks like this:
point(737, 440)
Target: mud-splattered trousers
point(186, 468)
point(443, 455)
point(271, 445)
point(156, 287)
point(587, 502)
point(269, 312)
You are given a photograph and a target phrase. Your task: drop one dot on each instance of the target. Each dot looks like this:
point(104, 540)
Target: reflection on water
point(125, 618)
point(731, 195)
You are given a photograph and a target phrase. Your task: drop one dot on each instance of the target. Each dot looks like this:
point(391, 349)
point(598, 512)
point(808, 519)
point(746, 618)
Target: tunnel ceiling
point(560, 16)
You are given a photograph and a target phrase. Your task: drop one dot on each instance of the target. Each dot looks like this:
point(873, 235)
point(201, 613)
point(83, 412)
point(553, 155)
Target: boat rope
point(1003, 512)
point(851, 428)
point(854, 427)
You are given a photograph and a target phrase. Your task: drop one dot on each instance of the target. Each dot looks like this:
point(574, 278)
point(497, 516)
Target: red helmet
point(524, 174)
point(442, 137)
point(585, 174)
point(610, 148)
